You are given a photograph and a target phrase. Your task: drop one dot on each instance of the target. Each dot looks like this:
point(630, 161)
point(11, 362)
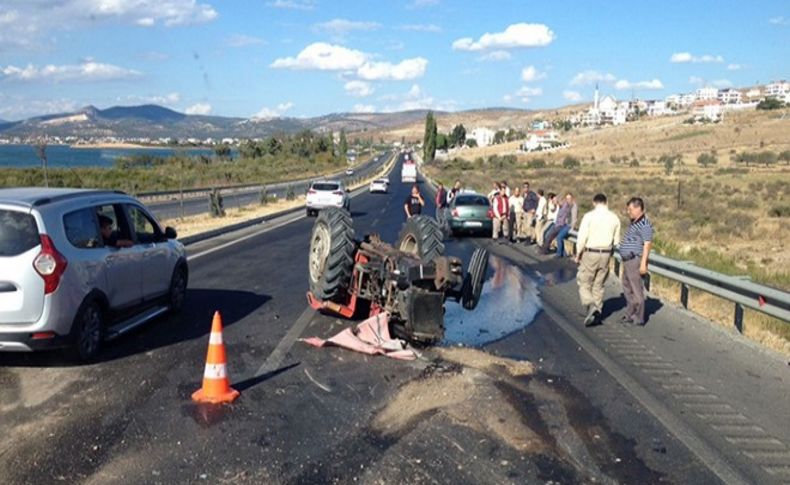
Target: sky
point(302, 58)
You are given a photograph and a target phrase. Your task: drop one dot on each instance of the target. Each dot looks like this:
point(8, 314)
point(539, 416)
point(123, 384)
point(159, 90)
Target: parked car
point(327, 193)
point(379, 186)
point(81, 267)
point(470, 213)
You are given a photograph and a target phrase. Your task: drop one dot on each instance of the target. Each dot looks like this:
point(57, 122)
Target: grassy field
point(727, 217)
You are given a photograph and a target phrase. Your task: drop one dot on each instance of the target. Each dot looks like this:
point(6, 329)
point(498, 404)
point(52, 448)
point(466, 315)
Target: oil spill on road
point(509, 302)
point(556, 277)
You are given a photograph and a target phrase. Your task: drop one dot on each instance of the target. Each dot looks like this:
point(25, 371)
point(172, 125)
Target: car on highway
point(81, 267)
point(327, 193)
point(380, 186)
point(470, 212)
point(349, 171)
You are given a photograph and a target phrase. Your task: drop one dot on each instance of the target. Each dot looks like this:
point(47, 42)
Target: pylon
point(216, 385)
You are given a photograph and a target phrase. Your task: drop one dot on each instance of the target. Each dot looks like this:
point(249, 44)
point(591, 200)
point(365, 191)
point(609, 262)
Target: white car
point(379, 186)
point(327, 193)
point(349, 171)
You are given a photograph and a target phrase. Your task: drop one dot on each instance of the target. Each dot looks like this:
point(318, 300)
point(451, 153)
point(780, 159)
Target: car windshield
point(325, 186)
point(477, 200)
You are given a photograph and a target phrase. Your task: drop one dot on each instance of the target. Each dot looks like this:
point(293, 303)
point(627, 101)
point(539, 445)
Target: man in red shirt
point(501, 208)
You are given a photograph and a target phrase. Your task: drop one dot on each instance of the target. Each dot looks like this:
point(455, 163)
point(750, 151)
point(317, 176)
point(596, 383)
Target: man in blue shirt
point(634, 251)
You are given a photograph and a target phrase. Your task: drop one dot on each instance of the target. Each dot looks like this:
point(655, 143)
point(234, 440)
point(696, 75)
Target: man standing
point(453, 192)
point(414, 202)
point(563, 233)
point(501, 212)
point(634, 251)
point(530, 210)
point(598, 234)
point(494, 193)
point(441, 205)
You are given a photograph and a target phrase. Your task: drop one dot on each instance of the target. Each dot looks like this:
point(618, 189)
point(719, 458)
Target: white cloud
point(323, 57)
point(588, 77)
point(495, 56)
point(780, 20)
point(199, 109)
point(572, 95)
point(344, 26)
point(422, 4)
point(653, 84)
point(385, 71)
point(415, 99)
point(363, 108)
point(433, 28)
point(734, 67)
point(87, 71)
point(21, 107)
point(142, 12)
point(687, 57)
point(242, 40)
point(529, 74)
point(514, 36)
point(293, 4)
point(269, 113)
point(526, 93)
point(359, 89)
point(722, 83)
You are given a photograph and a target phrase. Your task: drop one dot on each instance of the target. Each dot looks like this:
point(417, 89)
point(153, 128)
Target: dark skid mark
point(509, 302)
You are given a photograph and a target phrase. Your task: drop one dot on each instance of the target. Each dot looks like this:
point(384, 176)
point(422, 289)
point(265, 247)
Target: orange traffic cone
point(216, 385)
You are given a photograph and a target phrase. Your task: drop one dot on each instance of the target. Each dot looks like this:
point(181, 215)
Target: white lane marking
point(274, 360)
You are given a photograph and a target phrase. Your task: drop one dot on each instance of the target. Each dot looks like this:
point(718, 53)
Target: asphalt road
point(198, 205)
point(327, 415)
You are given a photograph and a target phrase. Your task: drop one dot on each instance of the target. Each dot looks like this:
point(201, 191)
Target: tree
point(343, 145)
point(785, 156)
point(41, 152)
point(499, 137)
point(471, 142)
point(442, 142)
point(770, 103)
point(223, 151)
point(458, 136)
point(669, 164)
point(706, 159)
point(766, 157)
point(430, 138)
point(571, 163)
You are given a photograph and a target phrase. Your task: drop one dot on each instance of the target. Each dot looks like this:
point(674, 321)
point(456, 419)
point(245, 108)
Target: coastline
point(115, 145)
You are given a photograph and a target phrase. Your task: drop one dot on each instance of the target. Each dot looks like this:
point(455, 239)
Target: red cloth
point(502, 206)
point(369, 337)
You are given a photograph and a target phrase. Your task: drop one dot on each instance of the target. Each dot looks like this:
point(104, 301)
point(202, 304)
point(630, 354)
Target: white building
point(540, 140)
point(777, 89)
point(729, 96)
point(707, 93)
point(707, 110)
point(754, 93)
point(483, 136)
point(657, 108)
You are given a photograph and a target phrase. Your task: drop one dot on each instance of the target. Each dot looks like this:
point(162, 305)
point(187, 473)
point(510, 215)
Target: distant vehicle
point(408, 173)
point(470, 213)
point(349, 171)
point(327, 193)
point(379, 186)
point(81, 267)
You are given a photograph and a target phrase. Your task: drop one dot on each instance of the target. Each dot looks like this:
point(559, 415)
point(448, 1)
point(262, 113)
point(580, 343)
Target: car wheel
point(87, 332)
point(331, 258)
point(178, 289)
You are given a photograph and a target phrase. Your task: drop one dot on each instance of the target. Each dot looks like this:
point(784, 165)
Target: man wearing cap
point(598, 233)
point(634, 252)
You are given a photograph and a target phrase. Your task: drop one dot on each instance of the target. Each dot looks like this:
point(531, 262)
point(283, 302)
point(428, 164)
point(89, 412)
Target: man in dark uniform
point(414, 202)
point(634, 252)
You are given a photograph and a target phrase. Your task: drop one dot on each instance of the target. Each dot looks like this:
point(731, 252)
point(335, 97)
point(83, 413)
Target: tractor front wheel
point(422, 237)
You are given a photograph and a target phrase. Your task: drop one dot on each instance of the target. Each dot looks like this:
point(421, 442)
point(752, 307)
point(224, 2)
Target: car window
point(18, 232)
point(145, 228)
point(466, 200)
point(114, 213)
point(325, 186)
point(82, 229)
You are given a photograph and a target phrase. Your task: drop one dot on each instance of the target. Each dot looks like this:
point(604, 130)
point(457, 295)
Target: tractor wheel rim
point(319, 251)
point(409, 244)
point(91, 331)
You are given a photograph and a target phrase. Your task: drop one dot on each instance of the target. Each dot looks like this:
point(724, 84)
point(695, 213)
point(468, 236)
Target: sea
point(20, 156)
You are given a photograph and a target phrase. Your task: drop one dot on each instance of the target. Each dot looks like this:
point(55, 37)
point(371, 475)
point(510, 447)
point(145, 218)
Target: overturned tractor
point(410, 281)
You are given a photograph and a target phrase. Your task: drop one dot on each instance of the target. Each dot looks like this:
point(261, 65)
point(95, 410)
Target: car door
point(150, 240)
point(122, 278)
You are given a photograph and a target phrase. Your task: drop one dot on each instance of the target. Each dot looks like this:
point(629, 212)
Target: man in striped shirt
point(634, 251)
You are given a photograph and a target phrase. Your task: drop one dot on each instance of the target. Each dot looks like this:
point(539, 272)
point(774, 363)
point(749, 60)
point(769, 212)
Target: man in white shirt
point(598, 233)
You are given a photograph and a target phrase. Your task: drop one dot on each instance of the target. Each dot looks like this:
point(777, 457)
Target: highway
point(172, 209)
point(678, 401)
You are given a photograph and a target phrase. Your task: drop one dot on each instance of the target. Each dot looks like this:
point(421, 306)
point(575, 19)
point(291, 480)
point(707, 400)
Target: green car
point(470, 213)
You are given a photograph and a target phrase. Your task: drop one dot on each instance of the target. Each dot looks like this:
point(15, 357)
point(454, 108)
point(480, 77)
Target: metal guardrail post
point(739, 317)
point(684, 295)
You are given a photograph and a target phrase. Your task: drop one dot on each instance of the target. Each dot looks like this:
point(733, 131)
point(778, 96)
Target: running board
point(128, 325)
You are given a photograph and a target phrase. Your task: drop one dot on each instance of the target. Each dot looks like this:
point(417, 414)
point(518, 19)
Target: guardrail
point(742, 292)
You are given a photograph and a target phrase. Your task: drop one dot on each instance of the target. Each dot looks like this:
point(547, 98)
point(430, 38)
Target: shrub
point(770, 103)
point(634, 163)
point(706, 159)
point(779, 211)
point(571, 163)
point(537, 163)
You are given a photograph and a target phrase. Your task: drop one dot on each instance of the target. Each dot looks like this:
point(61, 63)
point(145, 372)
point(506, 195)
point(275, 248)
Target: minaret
point(595, 101)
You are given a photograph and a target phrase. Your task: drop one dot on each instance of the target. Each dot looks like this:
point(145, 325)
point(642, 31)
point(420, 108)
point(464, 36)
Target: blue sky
point(311, 57)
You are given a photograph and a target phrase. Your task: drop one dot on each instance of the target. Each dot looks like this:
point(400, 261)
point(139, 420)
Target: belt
point(629, 256)
point(609, 250)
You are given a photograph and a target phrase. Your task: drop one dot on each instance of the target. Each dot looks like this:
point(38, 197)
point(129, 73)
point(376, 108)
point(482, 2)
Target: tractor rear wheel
point(332, 249)
point(422, 237)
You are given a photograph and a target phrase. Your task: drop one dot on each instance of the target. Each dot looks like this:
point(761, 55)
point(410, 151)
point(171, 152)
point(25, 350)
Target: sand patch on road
point(477, 359)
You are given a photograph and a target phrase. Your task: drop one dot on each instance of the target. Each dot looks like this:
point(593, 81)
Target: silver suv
point(78, 267)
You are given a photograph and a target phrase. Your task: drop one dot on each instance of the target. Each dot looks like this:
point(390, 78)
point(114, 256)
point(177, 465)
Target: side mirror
point(170, 233)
